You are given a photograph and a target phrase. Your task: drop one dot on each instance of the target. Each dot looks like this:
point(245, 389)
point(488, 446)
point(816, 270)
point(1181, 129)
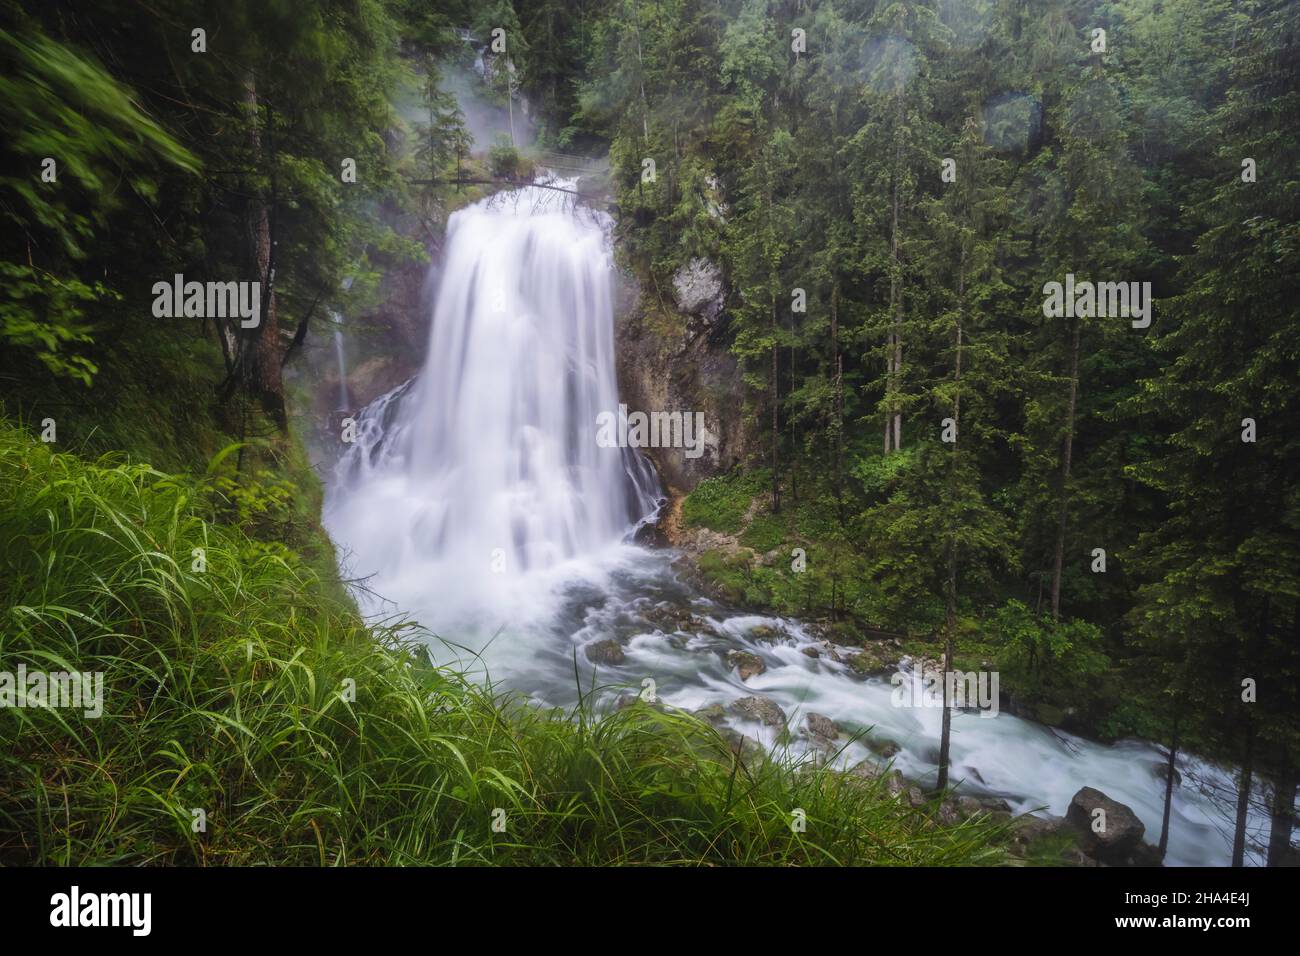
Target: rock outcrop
point(1108, 830)
point(674, 357)
point(763, 709)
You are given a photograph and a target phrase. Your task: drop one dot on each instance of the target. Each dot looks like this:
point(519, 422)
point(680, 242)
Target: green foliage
point(764, 533)
point(72, 124)
point(28, 296)
point(1046, 654)
point(721, 503)
point(504, 160)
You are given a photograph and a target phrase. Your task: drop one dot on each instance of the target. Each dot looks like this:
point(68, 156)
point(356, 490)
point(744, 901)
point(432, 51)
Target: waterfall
point(486, 469)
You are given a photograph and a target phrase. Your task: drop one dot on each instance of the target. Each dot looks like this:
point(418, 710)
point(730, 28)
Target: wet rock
point(968, 807)
point(608, 651)
point(874, 660)
point(867, 770)
point(810, 651)
point(635, 700)
point(746, 664)
point(1144, 854)
point(713, 713)
point(749, 750)
point(667, 617)
point(1122, 831)
point(1030, 829)
point(698, 625)
point(651, 535)
point(698, 289)
point(765, 632)
point(821, 728)
point(950, 813)
point(763, 709)
point(883, 746)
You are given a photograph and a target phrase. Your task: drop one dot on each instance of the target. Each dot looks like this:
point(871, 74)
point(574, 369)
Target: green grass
point(764, 533)
point(720, 503)
point(225, 690)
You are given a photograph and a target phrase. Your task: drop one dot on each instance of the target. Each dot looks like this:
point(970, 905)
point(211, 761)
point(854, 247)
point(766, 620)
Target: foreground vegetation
point(227, 690)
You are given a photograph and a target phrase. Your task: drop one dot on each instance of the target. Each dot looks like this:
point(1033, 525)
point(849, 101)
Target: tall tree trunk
point(895, 285)
point(889, 376)
point(950, 627)
point(1282, 812)
point(1243, 799)
point(1170, 768)
point(640, 72)
point(1058, 560)
point(776, 417)
point(839, 401)
point(776, 380)
point(265, 379)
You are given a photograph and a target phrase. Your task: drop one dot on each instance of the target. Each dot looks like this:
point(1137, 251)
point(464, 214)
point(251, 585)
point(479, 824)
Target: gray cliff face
point(670, 359)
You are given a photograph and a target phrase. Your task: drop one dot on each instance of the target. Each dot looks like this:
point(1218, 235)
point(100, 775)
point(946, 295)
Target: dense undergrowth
point(244, 685)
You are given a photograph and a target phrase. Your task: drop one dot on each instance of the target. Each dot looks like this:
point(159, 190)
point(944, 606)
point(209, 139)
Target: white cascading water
point(476, 500)
point(485, 472)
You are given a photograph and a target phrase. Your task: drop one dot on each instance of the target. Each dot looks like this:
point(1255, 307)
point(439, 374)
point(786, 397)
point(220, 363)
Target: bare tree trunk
point(1243, 799)
point(1067, 454)
point(839, 401)
point(1169, 788)
point(776, 381)
point(1282, 811)
point(640, 63)
point(895, 287)
point(264, 375)
point(776, 419)
point(889, 377)
point(945, 733)
point(894, 351)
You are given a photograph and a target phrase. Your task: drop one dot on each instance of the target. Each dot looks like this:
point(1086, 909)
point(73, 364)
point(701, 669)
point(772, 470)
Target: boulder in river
point(608, 651)
point(763, 709)
point(1111, 836)
point(713, 713)
point(883, 746)
point(874, 659)
point(765, 632)
point(748, 665)
point(821, 728)
point(749, 750)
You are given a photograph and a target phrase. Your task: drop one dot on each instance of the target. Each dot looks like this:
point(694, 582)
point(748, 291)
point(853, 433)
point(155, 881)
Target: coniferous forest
point(525, 432)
